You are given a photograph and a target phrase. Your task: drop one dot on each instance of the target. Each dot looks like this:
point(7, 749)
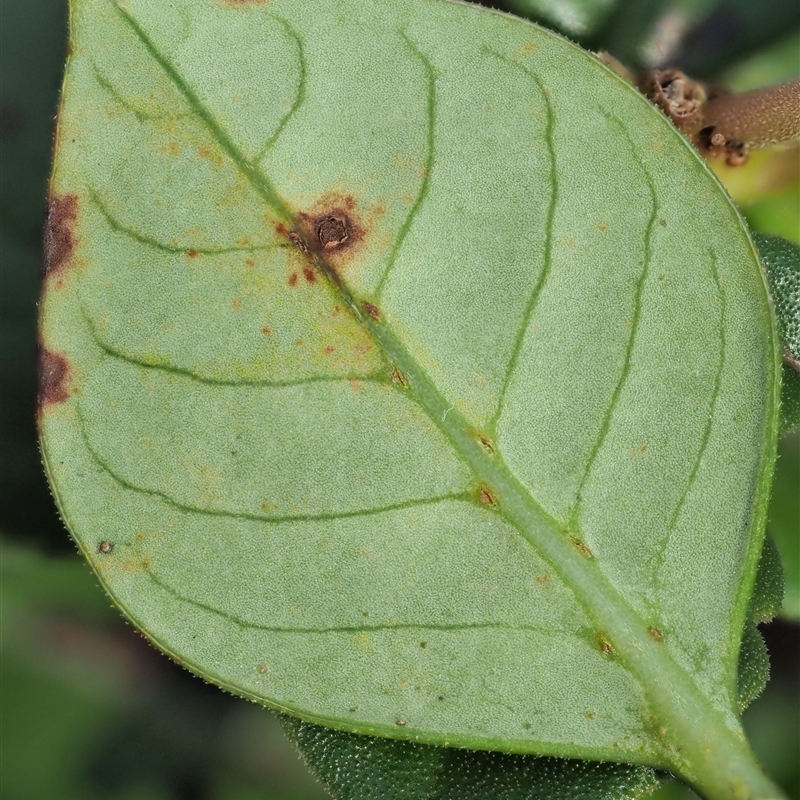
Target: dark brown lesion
point(332, 228)
point(54, 378)
point(332, 231)
point(59, 235)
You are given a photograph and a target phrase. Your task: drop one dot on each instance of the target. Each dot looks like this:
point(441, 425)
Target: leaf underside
point(404, 370)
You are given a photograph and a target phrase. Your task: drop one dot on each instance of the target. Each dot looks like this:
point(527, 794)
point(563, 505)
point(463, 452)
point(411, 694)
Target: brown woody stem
point(758, 118)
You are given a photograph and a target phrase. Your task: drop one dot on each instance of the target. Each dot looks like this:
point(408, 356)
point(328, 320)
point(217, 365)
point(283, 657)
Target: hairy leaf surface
point(403, 369)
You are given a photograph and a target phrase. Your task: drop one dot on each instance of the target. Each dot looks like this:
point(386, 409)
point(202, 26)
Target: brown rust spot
point(250, 262)
point(59, 237)
point(329, 348)
point(293, 279)
point(191, 253)
point(655, 633)
point(266, 330)
point(371, 309)
point(297, 240)
point(486, 444)
point(53, 378)
point(333, 227)
point(582, 547)
point(332, 231)
point(309, 274)
point(398, 378)
point(486, 496)
point(605, 645)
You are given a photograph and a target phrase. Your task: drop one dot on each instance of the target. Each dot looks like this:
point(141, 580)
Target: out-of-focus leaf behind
point(32, 49)
point(91, 712)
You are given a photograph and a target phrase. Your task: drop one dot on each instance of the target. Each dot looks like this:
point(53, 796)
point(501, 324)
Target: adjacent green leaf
point(405, 370)
point(764, 605)
point(784, 519)
point(781, 260)
point(356, 767)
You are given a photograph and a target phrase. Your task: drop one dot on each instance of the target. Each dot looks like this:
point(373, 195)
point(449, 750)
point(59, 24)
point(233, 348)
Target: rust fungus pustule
point(332, 231)
point(334, 228)
point(371, 309)
point(53, 378)
point(59, 236)
point(486, 496)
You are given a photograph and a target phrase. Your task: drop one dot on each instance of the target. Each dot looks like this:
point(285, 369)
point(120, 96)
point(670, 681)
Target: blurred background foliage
point(89, 709)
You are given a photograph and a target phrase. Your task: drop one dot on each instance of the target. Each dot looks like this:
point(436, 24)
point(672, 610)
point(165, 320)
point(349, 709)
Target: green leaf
point(790, 399)
point(781, 261)
point(764, 605)
point(784, 519)
point(405, 370)
point(356, 767)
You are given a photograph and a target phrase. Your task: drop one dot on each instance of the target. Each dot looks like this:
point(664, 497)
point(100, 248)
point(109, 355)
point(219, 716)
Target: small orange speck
point(330, 349)
point(336, 311)
point(191, 253)
point(250, 262)
point(293, 279)
point(601, 227)
point(298, 342)
point(266, 330)
point(355, 386)
point(309, 274)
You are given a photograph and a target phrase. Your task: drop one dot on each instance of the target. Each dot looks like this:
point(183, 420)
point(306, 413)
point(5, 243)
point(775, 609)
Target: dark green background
point(89, 710)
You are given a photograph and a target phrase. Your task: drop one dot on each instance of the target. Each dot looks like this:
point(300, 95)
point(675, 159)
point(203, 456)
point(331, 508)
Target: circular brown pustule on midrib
point(332, 231)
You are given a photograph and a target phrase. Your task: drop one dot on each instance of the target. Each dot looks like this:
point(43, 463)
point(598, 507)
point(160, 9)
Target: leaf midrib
point(667, 686)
